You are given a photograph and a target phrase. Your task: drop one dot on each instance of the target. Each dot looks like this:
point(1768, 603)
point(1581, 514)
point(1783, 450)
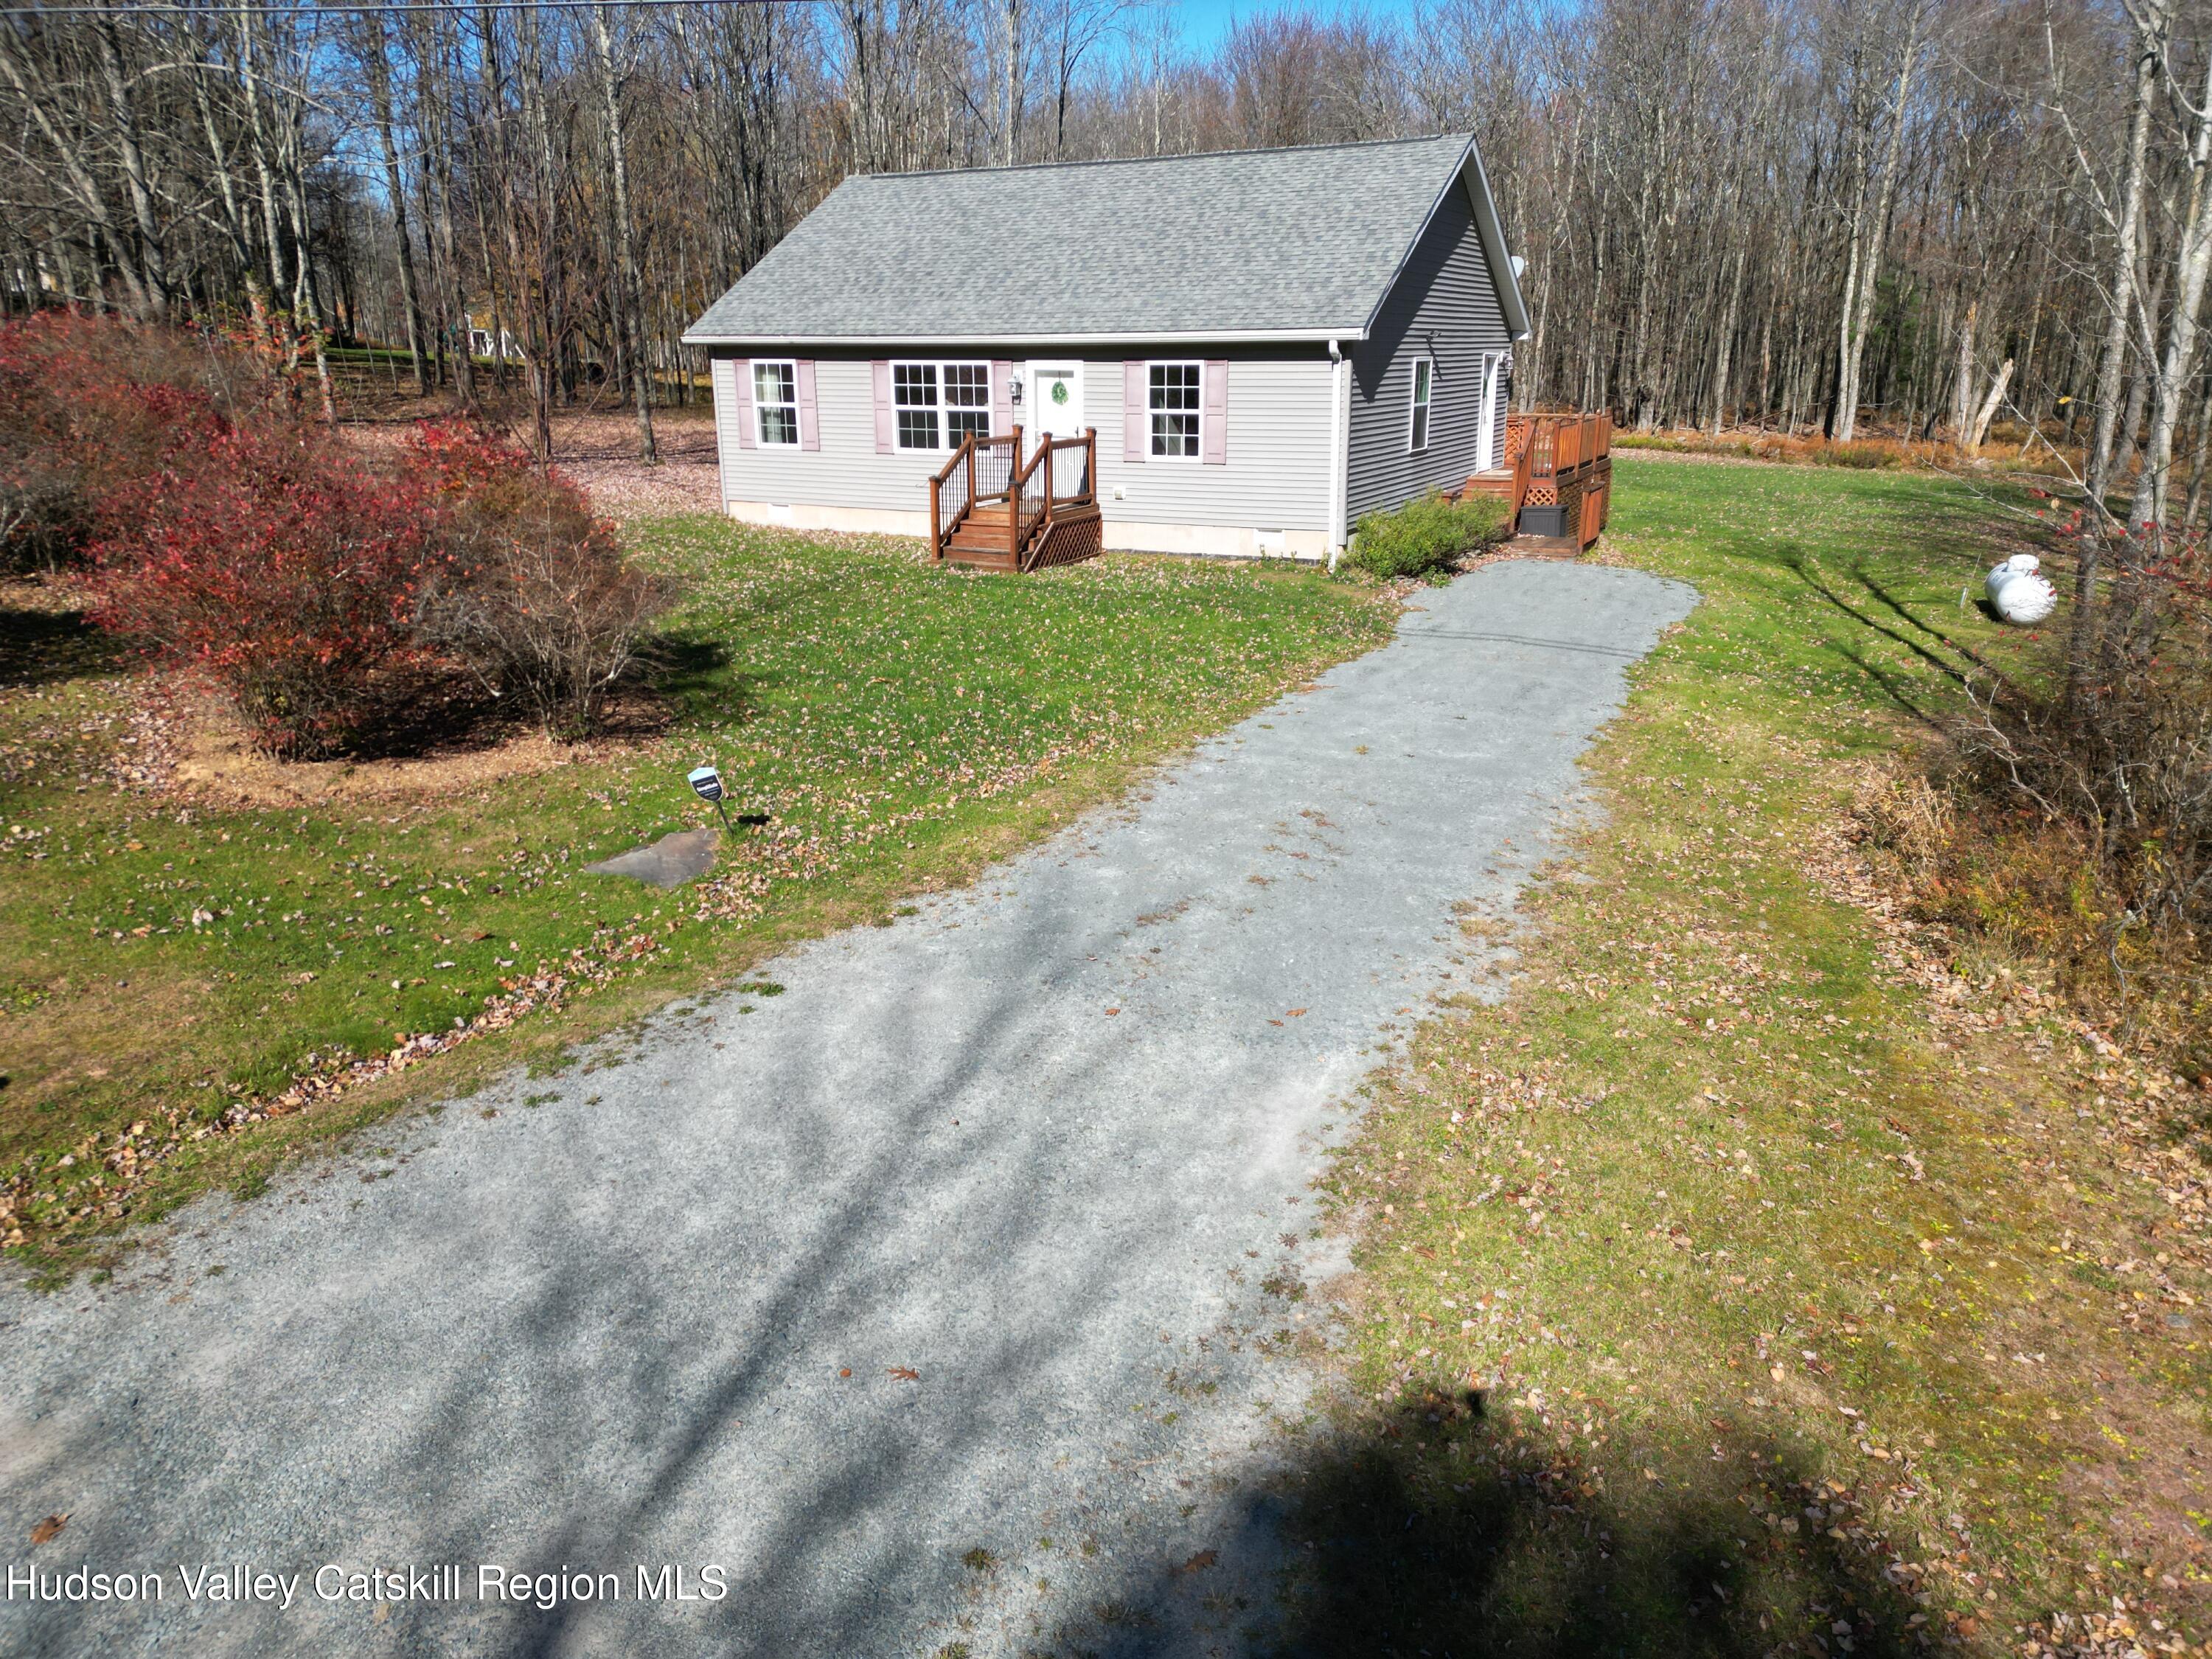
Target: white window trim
point(1198, 454)
point(760, 409)
point(1415, 407)
point(945, 444)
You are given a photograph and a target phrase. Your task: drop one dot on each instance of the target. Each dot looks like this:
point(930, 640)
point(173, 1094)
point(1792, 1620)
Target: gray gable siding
point(1443, 304)
point(1275, 476)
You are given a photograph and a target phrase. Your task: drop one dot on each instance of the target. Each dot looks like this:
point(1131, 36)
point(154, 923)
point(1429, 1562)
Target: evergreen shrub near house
point(1423, 536)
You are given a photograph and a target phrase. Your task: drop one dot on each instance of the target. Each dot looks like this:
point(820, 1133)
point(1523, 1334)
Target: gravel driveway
point(932, 1301)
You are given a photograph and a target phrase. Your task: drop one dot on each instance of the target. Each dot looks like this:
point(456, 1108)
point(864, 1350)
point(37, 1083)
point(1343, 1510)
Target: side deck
point(1556, 479)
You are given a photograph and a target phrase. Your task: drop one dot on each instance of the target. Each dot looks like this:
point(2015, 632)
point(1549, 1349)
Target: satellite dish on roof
point(1520, 264)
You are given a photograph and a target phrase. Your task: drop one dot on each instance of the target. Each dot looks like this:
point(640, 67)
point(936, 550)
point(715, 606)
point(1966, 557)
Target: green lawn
point(1726, 1288)
point(901, 724)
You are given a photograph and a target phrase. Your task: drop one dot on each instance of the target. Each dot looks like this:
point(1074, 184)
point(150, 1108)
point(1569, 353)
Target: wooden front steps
point(1075, 533)
point(992, 508)
point(980, 540)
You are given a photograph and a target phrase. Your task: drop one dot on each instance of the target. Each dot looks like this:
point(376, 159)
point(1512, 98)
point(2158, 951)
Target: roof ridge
point(1180, 155)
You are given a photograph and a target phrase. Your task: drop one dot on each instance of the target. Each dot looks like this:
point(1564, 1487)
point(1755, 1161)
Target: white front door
point(1054, 405)
point(1486, 449)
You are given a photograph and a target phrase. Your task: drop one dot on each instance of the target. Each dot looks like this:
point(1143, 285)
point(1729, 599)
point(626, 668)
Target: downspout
point(1340, 382)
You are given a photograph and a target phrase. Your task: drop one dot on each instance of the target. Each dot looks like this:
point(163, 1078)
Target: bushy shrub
point(535, 595)
point(231, 534)
point(273, 561)
point(1425, 535)
point(90, 405)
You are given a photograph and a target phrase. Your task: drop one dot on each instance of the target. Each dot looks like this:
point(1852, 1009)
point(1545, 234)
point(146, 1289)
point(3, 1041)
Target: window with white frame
point(1424, 374)
point(775, 401)
point(938, 405)
point(1176, 398)
point(967, 402)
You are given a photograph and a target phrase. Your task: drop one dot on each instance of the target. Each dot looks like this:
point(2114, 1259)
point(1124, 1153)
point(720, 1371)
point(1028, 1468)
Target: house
point(1236, 353)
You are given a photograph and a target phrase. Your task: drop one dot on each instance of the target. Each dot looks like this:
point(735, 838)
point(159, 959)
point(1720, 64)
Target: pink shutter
point(886, 423)
point(810, 424)
point(1215, 441)
point(741, 376)
point(1136, 413)
point(1002, 397)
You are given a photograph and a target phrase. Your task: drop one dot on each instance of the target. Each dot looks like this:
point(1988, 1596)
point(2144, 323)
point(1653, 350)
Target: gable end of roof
point(1295, 244)
point(1488, 229)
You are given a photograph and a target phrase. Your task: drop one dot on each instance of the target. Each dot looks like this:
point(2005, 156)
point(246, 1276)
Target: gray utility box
point(1544, 522)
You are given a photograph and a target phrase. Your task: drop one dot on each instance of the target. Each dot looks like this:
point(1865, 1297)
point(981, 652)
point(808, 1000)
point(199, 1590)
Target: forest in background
point(1922, 217)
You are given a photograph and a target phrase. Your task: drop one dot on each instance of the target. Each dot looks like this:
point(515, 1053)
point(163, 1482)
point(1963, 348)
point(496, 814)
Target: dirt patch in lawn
point(211, 756)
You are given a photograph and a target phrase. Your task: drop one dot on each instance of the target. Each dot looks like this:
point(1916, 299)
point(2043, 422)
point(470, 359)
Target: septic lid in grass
point(669, 862)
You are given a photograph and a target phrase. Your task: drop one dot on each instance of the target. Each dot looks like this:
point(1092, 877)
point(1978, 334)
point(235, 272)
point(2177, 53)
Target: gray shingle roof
point(1267, 242)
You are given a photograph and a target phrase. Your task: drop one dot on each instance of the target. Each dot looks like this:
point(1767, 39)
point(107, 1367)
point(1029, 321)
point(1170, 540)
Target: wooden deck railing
point(980, 471)
point(1059, 476)
point(1062, 473)
point(1522, 459)
point(1562, 443)
point(1025, 500)
point(1069, 471)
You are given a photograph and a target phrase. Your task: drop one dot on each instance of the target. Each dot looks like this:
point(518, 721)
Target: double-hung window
point(1176, 398)
point(1425, 375)
point(775, 401)
point(938, 405)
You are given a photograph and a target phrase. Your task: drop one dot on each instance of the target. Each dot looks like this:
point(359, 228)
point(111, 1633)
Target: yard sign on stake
point(707, 784)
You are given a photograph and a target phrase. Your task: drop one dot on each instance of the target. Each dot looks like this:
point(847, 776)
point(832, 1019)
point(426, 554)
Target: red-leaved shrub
point(535, 595)
point(231, 535)
point(277, 563)
point(90, 406)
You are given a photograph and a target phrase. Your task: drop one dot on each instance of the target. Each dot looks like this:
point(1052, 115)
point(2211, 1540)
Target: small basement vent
point(1269, 542)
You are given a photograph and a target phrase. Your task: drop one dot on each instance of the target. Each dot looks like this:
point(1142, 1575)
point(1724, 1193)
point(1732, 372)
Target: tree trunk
point(632, 297)
point(1989, 410)
point(152, 264)
point(2153, 20)
point(1962, 389)
point(2146, 513)
point(1859, 290)
point(1010, 95)
point(379, 92)
point(1727, 343)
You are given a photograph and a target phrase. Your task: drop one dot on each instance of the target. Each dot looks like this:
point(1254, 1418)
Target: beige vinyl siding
point(1444, 307)
point(1275, 476)
point(846, 471)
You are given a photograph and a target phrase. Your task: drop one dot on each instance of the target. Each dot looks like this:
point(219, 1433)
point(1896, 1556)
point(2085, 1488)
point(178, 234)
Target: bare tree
point(631, 299)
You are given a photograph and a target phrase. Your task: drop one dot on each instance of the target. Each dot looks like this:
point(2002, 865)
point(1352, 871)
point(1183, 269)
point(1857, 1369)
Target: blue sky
point(1204, 22)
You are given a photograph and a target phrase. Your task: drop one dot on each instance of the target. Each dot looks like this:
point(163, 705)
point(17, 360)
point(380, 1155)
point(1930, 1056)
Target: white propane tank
point(2018, 592)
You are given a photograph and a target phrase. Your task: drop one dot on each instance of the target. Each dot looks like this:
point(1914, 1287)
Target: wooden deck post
point(1014, 501)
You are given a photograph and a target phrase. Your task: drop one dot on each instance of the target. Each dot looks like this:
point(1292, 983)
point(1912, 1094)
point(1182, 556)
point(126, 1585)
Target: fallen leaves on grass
point(131, 1158)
